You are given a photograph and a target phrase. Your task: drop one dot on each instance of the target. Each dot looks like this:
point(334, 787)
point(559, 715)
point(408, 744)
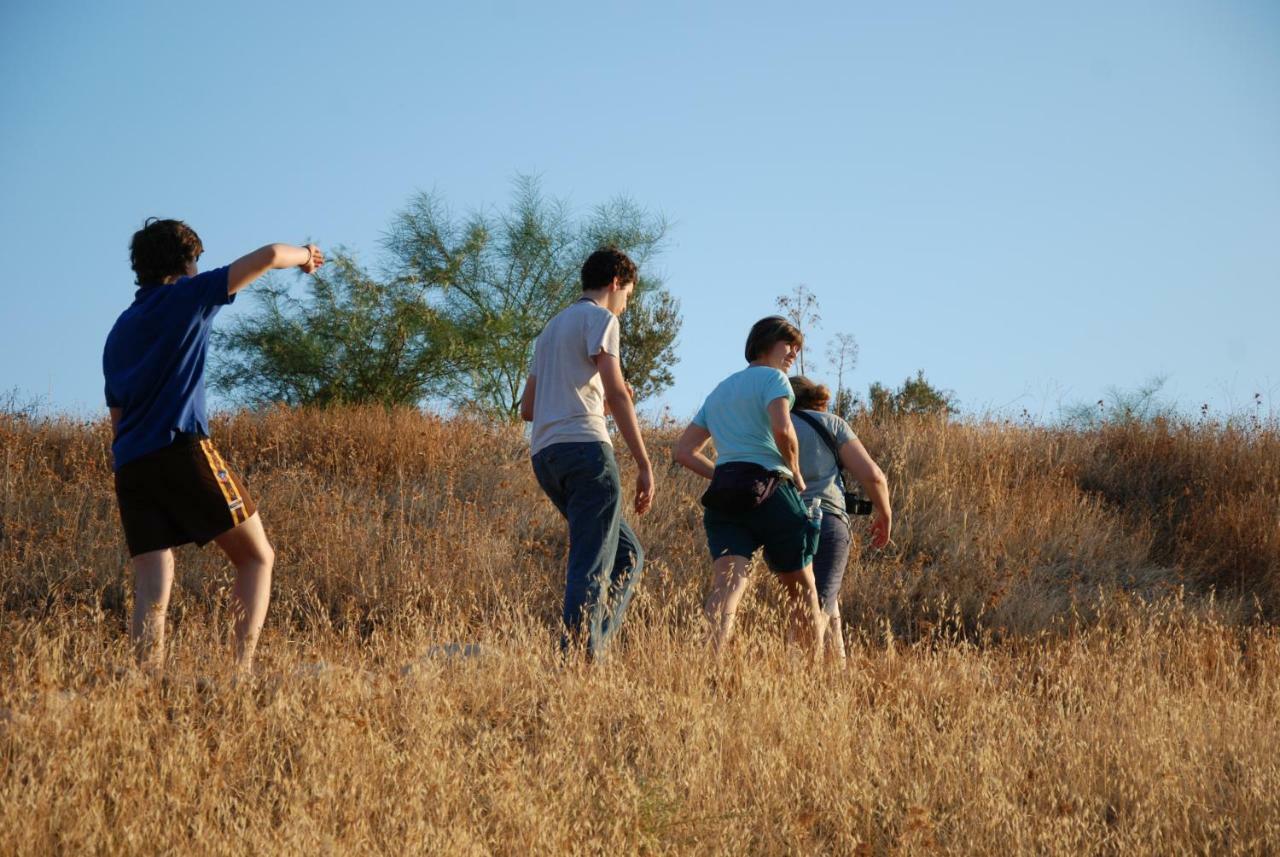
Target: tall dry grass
point(1067, 650)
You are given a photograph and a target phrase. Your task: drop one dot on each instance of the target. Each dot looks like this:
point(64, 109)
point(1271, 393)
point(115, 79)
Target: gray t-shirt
point(821, 470)
point(568, 396)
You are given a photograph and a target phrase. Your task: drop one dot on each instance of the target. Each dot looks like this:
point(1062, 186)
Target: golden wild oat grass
point(1068, 650)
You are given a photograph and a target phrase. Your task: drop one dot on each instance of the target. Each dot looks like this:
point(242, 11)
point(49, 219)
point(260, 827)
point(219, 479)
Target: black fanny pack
point(740, 486)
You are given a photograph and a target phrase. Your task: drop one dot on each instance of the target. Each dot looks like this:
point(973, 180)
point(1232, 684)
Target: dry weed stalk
point(1042, 665)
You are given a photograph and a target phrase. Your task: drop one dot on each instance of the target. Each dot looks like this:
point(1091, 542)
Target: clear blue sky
point(1031, 202)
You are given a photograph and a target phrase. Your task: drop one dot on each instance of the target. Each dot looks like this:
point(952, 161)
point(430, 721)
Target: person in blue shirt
point(172, 485)
point(754, 497)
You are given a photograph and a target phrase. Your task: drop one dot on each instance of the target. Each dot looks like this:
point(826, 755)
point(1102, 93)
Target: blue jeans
point(830, 561)
point(605, 559)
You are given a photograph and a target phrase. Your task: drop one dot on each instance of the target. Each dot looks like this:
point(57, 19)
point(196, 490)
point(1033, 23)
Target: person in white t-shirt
point(575, 381)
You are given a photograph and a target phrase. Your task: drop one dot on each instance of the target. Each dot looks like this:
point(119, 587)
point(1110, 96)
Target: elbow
point(275, 254)
point(686, 457)
point(617, 401)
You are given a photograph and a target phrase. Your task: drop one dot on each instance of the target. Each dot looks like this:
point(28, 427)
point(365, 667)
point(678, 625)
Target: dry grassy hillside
point(1068, 649)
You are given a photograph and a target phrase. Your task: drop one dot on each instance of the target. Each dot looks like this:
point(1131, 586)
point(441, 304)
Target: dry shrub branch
point(1066, 651)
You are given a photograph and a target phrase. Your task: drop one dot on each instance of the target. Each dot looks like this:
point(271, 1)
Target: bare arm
point(250, 267)
point(784, 435)
point(116, 415)
point(689, 451)
point(526, 399)
point(856, 460)
point(618, 400)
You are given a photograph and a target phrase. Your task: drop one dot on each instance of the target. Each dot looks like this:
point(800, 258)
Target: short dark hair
point(769, 331)
point(162, 249)
point(810, 395)
point(605, 264)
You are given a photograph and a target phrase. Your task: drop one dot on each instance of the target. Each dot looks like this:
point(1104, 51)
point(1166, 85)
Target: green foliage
point(353, 338)
point(915, 397)
point(456, 315)
point(652, 320)
point(1143, 404)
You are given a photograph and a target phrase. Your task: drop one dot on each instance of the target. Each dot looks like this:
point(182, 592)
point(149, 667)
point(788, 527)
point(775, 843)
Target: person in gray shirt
point(575, 381)
point(825, 483)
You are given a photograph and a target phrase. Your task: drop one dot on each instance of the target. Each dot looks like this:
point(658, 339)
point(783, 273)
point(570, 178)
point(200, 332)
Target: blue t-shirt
point(737, 416)
point(154, 362)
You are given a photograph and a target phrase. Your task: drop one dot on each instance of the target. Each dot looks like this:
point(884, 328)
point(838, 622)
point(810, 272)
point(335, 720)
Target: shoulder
point(801, 418)
point(211, 279)
point(600, 327)
point(596, 315)
point(772, 381)
point(586, 315)
point(557, 322)
point(827, 418)
point(766, 375)
point(838, 426)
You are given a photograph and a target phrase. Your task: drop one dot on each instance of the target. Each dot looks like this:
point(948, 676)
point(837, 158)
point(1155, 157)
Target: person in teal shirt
point(754, 498)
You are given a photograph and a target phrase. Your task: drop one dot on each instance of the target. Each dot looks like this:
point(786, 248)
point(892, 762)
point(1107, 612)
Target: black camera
point(855, 505)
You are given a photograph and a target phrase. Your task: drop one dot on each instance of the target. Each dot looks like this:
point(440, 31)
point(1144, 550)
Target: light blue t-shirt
point(737, 416)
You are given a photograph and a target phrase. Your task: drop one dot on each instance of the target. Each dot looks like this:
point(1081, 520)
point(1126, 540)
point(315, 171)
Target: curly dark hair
point(605, 264)
point(162, 249)
point(769, 331)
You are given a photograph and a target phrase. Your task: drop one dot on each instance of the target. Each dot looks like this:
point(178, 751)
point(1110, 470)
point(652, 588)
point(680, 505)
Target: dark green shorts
point(781, 525)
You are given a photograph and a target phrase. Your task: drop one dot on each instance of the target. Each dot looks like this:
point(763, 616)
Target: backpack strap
point(830, 441)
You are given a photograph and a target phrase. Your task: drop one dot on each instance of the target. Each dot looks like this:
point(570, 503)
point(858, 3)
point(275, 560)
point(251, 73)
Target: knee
point(261, 556)
point(637, 556)
point(153, 575)
point(153, 587)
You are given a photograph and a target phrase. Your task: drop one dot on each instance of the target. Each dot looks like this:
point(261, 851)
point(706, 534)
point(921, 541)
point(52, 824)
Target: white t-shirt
point(568, 396)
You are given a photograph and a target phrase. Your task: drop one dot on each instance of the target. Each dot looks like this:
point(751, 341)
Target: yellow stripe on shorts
point(207, 448)
point(239, 514)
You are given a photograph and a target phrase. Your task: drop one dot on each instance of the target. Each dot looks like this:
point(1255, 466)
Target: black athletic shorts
point(182, 493)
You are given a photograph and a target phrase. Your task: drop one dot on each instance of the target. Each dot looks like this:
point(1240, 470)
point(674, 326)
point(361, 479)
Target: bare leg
point(807, 621)
point(153, 581)
point(729, 580)
point(250, 552)
point(835, 640)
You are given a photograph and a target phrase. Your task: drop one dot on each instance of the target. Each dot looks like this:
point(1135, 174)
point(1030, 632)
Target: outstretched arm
point(856, 460)
point(689, 451)
point(250, 267)
point(618, 399)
